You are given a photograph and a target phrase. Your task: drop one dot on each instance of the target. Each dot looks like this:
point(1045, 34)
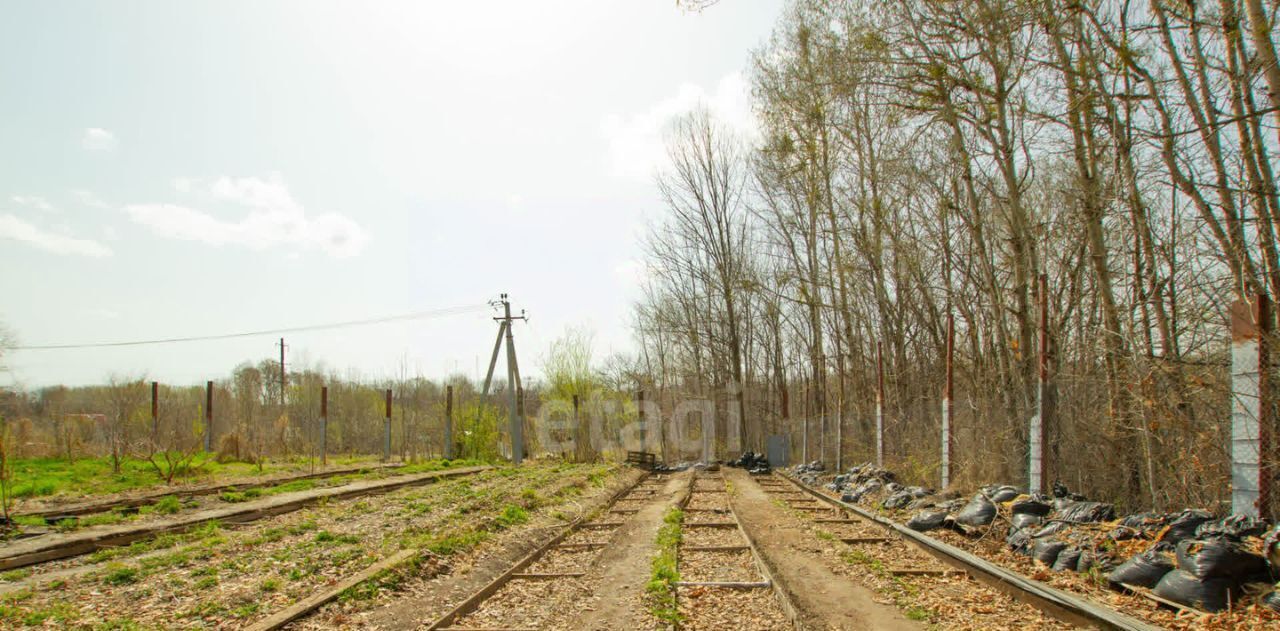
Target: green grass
point(43, 477)
point(665, 574)
point(167, 505)
point(120, 575)
point(208, 533)
point(15, 575)
point(511, 515)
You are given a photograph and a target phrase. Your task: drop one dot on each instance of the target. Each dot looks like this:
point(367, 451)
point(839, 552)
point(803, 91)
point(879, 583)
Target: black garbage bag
point(897, 500)
point(1271, 548)
point(1019, 541)
point(1002, 494)
point(1025, 520)
point(1068, 559)
point(1030, 506)
point(1272, 600)
point(1050, 529)
point(1087, 512)
point(1060, 492)
point(1206, 594)
point(978, 512)
point(1183, 525)
point(1145, 521)
point(925, 521)
point(1144, 569)
point(864, 489)
point(1235, 526)
point(1090, 559)
point(1138, 525)
point(1046, 551)
point(1218, 558)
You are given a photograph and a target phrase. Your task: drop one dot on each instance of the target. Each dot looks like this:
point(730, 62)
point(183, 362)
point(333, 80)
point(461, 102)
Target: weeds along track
point(53, 512)
point(53, 546)
point(538, 586)
point(239, 577)
point(934, 581)
point(724, 583)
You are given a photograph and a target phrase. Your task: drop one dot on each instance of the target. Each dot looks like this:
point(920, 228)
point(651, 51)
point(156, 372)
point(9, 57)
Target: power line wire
point(417, 315)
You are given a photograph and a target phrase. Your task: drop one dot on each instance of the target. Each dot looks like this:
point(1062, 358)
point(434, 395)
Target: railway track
point(867, 533)
point(55, 546)
point(56, 512)
point(725, 583)
point(518, 599)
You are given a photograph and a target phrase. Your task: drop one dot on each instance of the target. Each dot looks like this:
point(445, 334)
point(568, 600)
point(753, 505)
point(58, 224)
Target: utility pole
point(505, 323)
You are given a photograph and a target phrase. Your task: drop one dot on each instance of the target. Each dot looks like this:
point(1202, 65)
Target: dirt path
point(822, 598)
point(617, 580)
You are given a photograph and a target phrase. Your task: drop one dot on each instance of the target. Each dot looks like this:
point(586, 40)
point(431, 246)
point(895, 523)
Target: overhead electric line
point(417, 315)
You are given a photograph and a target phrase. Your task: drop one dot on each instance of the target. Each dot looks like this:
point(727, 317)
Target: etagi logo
point(689, 429)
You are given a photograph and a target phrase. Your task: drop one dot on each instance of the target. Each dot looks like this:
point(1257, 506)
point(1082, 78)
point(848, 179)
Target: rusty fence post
point(1251, 408)
point(208, 416)
point(1044, 399)
point(879, 404)
point(640, 412)
point(155, 412)
point(387, 429)
point(324, 425)
point(948, 393)
point(448, 423)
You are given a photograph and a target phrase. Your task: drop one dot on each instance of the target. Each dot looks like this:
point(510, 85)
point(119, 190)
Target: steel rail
point(1054, 602)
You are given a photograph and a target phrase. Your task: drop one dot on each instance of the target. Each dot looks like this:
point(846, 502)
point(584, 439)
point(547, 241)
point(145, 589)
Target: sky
point(173, 169)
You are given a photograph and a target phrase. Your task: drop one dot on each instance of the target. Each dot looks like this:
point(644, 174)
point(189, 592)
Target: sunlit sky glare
point(192, 168)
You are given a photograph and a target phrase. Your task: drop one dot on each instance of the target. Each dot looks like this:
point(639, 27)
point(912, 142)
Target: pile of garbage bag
point(1190, 557)
point(755, 463)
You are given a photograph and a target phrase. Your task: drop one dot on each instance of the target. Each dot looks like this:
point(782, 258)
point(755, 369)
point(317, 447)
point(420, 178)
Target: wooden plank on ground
point(306, 606)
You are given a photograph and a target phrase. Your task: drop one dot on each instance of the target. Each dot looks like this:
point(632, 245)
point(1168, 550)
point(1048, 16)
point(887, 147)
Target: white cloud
point(635, 140)
point(34, 202)
point(88, 198)
point(275, 218)
point(102, 313)
point(630, 272)
point(18, 230)
point(98, 139)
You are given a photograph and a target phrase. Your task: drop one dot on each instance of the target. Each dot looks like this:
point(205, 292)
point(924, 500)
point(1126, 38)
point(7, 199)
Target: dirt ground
point(617, 580)
point(822, 598)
